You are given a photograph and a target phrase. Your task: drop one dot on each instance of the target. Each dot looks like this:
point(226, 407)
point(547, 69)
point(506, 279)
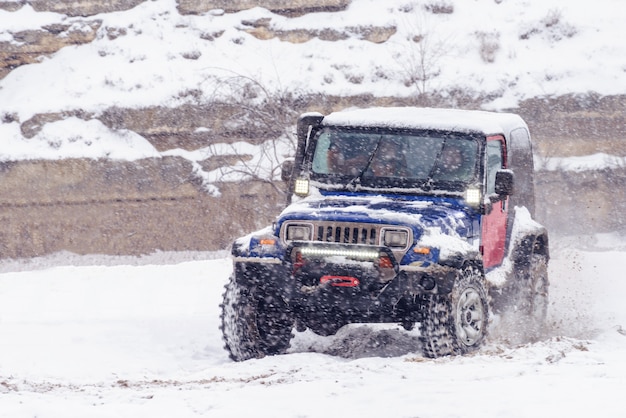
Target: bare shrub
point(7, 117)
point(553, 18)
point(423, 51)
point(192, 55)
point(265, 117)
point(380, 74)
point(439, 7)
point(191, 94)
point(355, 78)
point(211, 36)
point(551, 27)
point(488, 45)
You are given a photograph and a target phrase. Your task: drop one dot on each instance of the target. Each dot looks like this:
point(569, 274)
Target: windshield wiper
point(353, 184)
point(428, 182)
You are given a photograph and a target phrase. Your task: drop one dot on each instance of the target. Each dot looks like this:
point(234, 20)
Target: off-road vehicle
point(397, 215)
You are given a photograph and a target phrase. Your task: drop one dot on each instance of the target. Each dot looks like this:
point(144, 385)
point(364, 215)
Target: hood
point(419, 213)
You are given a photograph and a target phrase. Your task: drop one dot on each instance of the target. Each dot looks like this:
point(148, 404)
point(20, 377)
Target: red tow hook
point(340, 281)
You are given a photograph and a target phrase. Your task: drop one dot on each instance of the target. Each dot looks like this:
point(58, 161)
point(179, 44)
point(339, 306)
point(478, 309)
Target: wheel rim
point(470, 317)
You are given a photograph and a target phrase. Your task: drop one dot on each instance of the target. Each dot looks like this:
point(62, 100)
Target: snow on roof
point(427, 118)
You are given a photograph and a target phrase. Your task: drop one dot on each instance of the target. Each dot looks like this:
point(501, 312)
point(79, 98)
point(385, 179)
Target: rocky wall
point(289, 7)
point(582, 202)
point(82, 7)
point(30, 46)
point(93, 7)
point(133, 208)
point(120, 207)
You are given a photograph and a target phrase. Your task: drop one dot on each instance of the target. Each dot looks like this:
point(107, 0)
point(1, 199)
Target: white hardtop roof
point(428, 118)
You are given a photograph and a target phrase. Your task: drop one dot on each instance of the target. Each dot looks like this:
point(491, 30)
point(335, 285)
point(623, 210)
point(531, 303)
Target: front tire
point(456, 323)
point(255, 323)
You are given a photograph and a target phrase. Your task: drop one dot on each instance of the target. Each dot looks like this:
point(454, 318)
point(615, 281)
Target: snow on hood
point(449, 243)
point(442, 214)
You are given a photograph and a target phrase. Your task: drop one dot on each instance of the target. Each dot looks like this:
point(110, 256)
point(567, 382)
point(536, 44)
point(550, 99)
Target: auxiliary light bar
point(329, 252)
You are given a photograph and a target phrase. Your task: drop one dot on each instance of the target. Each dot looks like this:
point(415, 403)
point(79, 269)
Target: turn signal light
point(421, 250)
point(385, 262)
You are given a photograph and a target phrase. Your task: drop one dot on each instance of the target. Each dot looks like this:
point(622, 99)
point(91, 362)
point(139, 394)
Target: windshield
point(378, 158)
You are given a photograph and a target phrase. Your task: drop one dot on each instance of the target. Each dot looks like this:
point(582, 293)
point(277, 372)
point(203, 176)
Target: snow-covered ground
point(97, 336)
point(138, 337)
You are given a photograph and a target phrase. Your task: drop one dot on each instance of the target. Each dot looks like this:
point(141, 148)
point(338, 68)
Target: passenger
point(452, 164)
point(389, 160)
point(340, 162)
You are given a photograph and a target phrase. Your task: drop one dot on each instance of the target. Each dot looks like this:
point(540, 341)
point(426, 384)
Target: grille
point(340, 232)
point(346, 234)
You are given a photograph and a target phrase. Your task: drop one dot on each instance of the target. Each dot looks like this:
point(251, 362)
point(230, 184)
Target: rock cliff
point(113, 207)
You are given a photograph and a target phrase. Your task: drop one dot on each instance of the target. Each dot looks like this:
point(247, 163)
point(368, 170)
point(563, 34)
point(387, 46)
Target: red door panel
point(494, 234)
point(494, 221)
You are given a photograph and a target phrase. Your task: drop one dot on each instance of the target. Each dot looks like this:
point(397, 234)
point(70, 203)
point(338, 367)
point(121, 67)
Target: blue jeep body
point(381, 227)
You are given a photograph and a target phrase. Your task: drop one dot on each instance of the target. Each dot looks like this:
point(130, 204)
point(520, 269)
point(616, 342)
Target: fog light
point(472, 196)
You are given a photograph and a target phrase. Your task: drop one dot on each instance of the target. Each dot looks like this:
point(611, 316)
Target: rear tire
point(533, 297)
point(456, 323)
point(255, 323)
point(522, 303)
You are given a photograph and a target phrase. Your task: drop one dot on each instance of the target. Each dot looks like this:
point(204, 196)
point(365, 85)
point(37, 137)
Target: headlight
point(298, 233)
point(395, 238)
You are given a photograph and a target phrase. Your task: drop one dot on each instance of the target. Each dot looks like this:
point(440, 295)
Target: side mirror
point(286, 170)
point(505, 181)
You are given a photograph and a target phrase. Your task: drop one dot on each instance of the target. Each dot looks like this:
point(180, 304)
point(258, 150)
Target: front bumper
point(347, 283)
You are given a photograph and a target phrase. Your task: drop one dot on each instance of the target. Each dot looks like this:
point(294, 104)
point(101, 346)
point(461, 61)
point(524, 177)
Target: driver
point(341, 163)
point(452, 164)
